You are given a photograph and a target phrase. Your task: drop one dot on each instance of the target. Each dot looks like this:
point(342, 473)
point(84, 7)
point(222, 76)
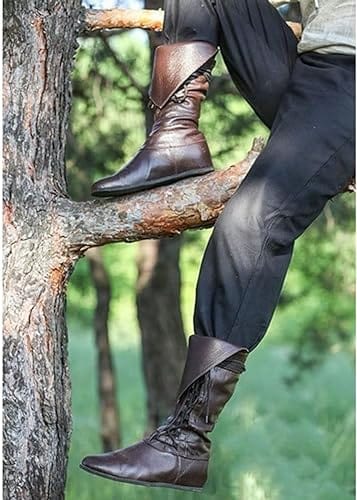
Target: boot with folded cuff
point(175, 148)
point(176, 454)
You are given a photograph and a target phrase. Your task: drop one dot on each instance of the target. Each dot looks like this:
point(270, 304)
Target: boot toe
point(105, 186)
point(134, 462)
point(98, 463)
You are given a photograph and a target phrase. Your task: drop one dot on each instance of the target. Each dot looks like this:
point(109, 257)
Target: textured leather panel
point(203, 354)
point(222, 385)
point(193, 473)
point(173, 65)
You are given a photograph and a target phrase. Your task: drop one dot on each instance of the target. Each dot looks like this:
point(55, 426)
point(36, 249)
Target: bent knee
point(258, 222)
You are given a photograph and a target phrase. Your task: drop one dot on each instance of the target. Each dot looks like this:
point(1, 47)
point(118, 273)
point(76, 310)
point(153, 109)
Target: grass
point(273, 441)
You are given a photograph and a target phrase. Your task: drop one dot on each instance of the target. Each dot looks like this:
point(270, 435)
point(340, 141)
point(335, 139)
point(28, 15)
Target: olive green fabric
point(328, 26)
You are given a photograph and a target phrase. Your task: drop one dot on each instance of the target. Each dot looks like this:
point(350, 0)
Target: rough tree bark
point(109, 415)
point(45, 233)
point(39, 45)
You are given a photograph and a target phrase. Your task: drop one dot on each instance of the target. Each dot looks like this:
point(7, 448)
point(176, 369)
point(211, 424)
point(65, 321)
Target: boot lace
point(195, 395)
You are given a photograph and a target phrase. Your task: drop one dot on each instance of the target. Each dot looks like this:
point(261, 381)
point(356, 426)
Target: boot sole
point(138, 482)
point(163, 181)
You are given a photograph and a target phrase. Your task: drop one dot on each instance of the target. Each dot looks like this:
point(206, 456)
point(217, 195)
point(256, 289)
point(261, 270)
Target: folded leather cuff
point(204, 353)
point(173, 65)
point(235, 363)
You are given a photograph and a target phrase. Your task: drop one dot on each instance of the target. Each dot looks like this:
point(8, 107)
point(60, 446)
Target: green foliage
point(317, 306)
point(107, 121)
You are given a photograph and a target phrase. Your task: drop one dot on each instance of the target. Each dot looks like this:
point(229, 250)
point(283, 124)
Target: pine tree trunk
point(162, 335)
point(39, 45)
point(109, 415)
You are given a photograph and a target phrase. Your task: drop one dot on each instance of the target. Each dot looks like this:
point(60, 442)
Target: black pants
point(307, 102)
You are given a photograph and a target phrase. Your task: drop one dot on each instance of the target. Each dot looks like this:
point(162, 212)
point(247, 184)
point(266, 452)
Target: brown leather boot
point(175, 148)
point(176, 454)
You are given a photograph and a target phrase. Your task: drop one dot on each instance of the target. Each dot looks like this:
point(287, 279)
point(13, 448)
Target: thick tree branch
point(165, 211)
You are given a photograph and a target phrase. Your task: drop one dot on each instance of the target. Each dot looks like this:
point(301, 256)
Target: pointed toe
point(123, 182)
point(97, 464)
point(102, 187)
point(90, 462)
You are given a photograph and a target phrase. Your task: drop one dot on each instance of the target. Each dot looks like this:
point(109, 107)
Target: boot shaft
point(212, 370)
point(183, 109)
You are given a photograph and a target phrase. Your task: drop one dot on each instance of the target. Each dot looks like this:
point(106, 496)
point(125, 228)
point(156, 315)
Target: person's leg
point(175, 148)
point(309, 158)
point(191, 21)
point(259, 50)
point(258, 47)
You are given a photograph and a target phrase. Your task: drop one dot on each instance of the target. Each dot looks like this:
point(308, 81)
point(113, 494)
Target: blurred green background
point(288, 432)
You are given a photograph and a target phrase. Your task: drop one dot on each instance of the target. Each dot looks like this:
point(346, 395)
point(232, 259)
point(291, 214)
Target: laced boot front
point(175, 148)
point(177, 453)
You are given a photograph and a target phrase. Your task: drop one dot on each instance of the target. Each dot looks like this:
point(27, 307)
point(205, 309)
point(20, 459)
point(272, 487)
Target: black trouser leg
point(190, 20)
point(257, 46)
point(309, 158)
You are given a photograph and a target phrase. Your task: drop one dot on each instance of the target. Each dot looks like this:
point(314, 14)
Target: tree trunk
point(39, 45)
point(45, 233)
point(105, 367)
point(162, 335)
